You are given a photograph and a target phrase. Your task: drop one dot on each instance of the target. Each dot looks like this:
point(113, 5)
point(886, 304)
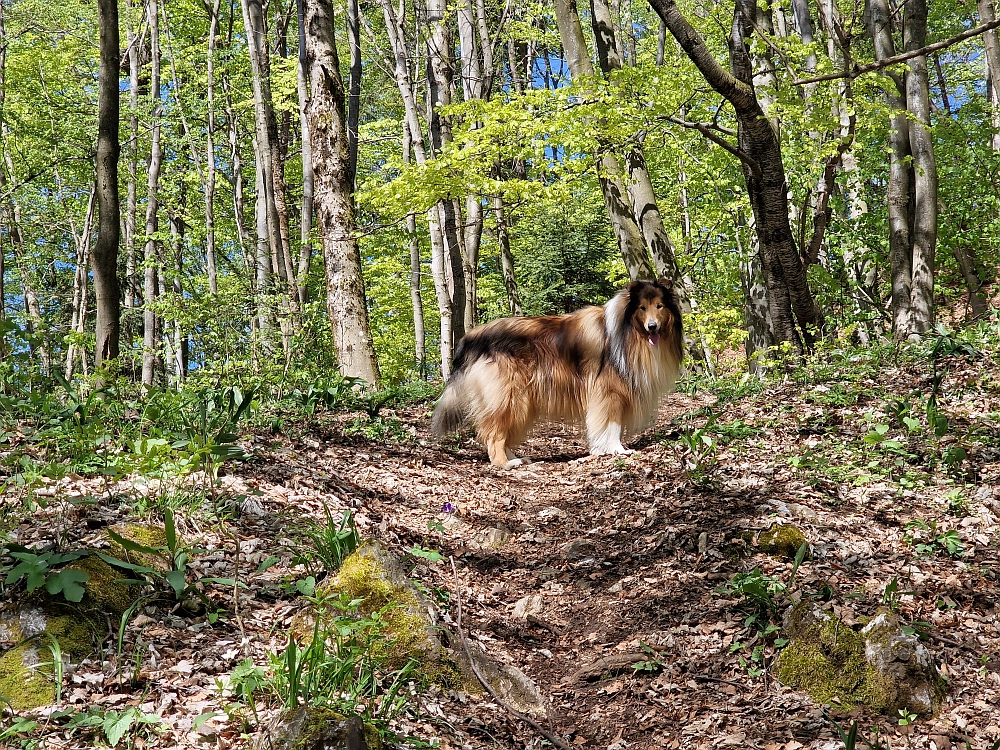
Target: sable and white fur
point(605, 366)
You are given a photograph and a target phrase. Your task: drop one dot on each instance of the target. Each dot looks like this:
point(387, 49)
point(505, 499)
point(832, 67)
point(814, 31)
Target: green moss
point(147, 536)
point(76, 635)
point(25, 680)
point(362, 577)
point(105, 591)
point(827, 660)
point(782, 540)
point(315, 730)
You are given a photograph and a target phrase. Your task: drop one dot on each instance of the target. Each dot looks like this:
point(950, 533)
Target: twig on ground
point(482, 680)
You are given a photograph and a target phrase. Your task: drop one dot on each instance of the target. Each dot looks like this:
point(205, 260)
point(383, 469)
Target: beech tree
point(326, 111)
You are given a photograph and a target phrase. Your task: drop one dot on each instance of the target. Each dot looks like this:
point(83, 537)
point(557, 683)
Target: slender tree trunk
point(180, 342)
point(131, 200)
point(439, 84)
point(416, 300)
point(506, 257)
point(354, 88)
point(401, 70)
point(334, 203)
point(105, 256)
point(306, 223)
point(614, 185)
point(992, 45)
point(151, 358)
point(213, 33)
point(925, 180)
point(78, 317)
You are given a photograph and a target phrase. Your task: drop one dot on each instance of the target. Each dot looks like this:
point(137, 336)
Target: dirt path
point(625, 555)
point(567, 562)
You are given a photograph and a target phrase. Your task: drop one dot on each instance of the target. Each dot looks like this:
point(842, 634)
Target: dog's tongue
point(654, 339)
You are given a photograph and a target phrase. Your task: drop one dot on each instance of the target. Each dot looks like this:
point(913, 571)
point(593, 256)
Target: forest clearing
point(285, 285)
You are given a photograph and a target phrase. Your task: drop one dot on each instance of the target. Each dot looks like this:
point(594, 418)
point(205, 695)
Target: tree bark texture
point(614, 184)
point(105, 256)
point(306, 219)
point(346, 305)
point(763, 172)
point(987, 14)
point(151, 324)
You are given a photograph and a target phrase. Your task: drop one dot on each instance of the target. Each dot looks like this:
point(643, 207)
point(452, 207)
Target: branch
point(710, 134)
point(556, 741)
point(862, 69)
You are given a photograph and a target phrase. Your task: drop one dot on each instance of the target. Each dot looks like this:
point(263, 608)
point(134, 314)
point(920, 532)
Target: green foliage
point(44, 569)
point(927, 539)
point(330, 543)
point(343, 665)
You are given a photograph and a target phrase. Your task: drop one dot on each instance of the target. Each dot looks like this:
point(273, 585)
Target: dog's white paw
point(514, 462)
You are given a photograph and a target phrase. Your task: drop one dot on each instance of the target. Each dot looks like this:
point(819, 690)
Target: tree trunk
point(334, 203)
point(78, 316)
point(131, 200)
point(306, 220)
point(354, 89)
point(439, 84)
point(151, 324)
point(401, 71)
point(992, 45)
point(925, 180)
point(213, 32)
point(105, 255)
point(416, 300)
point(763, 172)
point(614, 186)
point(506, 257)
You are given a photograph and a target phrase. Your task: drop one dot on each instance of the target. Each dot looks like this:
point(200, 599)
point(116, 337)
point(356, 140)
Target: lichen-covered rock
point(782, 540)
point(315, 728)
point(907, 665)
point(878, 668)
point(104, 589)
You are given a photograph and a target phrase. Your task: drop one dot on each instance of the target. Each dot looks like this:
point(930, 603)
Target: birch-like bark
point(401, 71)
point(334, 204)
point(440, 77)
point(306, 220)
point(151, 359)
point(992, 45)
point(925, 179)
point(614, 184)
point(131, 190)
point(416, 300)
point(105, 255)
point(354, 88)
point(210, 264)
point(78, 317)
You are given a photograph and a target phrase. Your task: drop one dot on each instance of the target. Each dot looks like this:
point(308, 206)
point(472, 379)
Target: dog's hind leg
point(500, 454)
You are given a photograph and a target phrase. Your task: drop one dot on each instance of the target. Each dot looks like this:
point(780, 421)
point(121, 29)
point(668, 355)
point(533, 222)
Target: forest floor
point(622, 555)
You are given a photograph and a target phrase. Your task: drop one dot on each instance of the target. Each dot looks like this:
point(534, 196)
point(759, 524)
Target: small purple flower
point(447, 508)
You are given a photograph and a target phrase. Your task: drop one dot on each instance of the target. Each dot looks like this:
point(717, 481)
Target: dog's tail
point(449, 414)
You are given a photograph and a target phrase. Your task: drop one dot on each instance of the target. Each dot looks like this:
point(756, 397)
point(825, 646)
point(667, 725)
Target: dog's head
point(653, 311)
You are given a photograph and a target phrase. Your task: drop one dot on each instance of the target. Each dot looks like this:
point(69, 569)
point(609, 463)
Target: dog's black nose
point(651, 325)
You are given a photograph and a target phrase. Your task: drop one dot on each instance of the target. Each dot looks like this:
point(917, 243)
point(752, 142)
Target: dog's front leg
point(607, 440)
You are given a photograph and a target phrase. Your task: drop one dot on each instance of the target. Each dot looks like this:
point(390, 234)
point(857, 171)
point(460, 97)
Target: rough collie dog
point(605, 366)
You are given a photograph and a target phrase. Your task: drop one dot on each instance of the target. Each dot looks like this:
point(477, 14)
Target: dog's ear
point(666, 283)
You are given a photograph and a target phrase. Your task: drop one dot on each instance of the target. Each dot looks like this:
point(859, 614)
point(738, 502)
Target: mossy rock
point(373, 576)
point(782, 540)
point(29, 627)
point(104, 589)
point(26, 677)
point(145, 534)
point(836, 664)
point(318, 728)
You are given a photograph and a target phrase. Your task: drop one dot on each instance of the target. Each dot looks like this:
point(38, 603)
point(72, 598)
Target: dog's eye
point(659, 307)
point(643, 308)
